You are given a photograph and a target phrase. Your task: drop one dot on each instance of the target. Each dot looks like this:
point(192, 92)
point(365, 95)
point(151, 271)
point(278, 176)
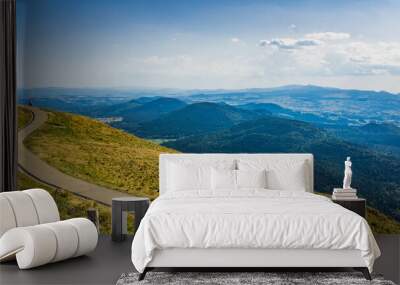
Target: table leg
point(117, 234)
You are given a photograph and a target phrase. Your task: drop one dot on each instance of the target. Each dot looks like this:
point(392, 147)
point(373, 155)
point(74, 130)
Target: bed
point(247, 210)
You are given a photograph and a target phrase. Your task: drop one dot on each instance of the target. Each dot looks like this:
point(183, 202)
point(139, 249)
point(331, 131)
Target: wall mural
point(106, 86)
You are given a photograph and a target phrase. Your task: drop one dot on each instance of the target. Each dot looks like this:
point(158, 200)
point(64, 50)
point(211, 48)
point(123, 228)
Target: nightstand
point(120, 209)
point(356, 205)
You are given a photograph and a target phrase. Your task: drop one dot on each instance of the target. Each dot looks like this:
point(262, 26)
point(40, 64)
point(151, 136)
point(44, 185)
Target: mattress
point(250, 219)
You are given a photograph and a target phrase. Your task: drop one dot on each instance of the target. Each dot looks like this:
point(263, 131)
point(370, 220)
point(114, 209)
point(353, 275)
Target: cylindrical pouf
point(7, 218)
point(67, 240)
point(46, 207)
point(23, 208)
point(52, 242)
point(34, 245)
point(87, 235)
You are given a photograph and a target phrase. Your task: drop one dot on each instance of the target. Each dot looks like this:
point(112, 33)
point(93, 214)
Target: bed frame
point(245, 259)
point(242, 259)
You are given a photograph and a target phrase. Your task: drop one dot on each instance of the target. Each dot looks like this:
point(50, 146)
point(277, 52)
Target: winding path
point(32, 165)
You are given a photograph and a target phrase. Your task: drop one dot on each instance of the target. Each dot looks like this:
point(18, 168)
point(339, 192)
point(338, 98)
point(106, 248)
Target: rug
point(244, 278)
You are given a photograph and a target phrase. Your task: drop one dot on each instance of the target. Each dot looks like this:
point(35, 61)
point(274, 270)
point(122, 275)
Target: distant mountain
point(381, 129)
point(198, 118)
point(342, 105)
point(376, 176)
point(277, 110)
point(74, 100)
point(381, 136)
point(274, 133)
point(141, 110)
point(267, 107)
point(147, 110)
point(144, 100)
point(154, 109)
point(59, 104)
point(113, 110)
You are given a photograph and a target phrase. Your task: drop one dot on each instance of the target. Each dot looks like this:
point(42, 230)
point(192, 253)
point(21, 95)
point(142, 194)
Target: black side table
point(120, 209)
point(356, 205)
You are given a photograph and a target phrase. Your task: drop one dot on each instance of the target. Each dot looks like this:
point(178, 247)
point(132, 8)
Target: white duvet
point(250, 219)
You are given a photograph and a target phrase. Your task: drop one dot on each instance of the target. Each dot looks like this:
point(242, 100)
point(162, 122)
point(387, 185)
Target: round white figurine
point(347, 174)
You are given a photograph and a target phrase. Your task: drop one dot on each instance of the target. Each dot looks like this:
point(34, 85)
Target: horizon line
point(129, 88)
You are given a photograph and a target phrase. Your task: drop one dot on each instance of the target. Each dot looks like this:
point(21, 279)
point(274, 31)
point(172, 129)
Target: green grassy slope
point(70, 205)
point(380, 223)
point(24, 117)
point(95, 152)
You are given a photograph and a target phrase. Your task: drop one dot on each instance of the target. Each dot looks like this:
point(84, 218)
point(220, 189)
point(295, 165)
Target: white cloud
point(328, 36)
point(289, 43)
point(235, 40)
point(333, 54)
point(371, 58)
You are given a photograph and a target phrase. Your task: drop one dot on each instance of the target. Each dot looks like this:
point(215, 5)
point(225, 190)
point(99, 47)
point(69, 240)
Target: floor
point(389, 262)
point(103, 266)
point(110, 260)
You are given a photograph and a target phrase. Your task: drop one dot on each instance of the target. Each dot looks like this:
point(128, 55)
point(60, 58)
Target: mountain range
point(370, 118)
point(197, 118)
point(139, 110)
point(169, 118)
point(331, 123)
point(345, 106)
point(357, 106)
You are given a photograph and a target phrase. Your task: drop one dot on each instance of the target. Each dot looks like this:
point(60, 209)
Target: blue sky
point(208, 44)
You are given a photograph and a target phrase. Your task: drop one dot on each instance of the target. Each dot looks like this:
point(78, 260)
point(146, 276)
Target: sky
point(208, 44)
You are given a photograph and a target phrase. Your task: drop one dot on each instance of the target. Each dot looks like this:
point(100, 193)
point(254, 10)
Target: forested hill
point(376, 175)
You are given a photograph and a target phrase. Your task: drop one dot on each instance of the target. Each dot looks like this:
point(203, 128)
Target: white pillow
point(251, 178)
point(292, 178)
point(281, 174)
point(192, 174)
point(188, 177)
point(223, 179)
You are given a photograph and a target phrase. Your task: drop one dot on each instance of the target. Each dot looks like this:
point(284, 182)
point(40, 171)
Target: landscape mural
point(106, 86)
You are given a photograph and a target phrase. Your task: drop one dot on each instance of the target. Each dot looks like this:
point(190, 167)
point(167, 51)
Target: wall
point(117, 83)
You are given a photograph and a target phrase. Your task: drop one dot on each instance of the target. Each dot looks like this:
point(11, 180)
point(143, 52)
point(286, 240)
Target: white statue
point(347, 174)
